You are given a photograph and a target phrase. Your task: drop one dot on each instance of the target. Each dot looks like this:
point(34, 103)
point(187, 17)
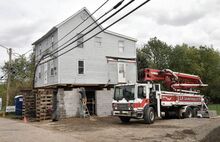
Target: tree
point(203, 61)
point(154, 54)
point(21, 74)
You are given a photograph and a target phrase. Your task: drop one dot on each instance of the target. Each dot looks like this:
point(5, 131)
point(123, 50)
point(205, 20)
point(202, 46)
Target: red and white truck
point(146, 100)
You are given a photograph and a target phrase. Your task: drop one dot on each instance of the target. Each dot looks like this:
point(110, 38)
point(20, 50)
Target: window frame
point(121, 47)
point(97, 43)
point(142, 96)
point(78, 67)
point(80, 40)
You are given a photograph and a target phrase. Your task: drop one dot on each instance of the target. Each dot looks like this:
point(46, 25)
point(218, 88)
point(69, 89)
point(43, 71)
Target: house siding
point(98, 69)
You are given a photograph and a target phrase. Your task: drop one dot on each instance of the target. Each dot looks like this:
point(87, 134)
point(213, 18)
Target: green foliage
point(215, 107)
point(154, 54)
point(2, 94)
point(21, 75)
point(203, 61)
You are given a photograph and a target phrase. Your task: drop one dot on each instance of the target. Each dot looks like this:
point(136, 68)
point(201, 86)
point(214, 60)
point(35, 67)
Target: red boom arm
point(173, 80)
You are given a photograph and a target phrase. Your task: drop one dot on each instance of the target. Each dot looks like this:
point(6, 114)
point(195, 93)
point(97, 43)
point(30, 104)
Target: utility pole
point(9, 77)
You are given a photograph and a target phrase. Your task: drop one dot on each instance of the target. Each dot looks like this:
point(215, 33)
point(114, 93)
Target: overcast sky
point(194, 22)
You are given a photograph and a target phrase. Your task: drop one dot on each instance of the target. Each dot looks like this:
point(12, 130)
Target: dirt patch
point(213, 136)
point(110, 129)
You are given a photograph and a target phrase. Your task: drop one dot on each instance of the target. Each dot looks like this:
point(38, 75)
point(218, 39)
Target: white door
point(121, 72)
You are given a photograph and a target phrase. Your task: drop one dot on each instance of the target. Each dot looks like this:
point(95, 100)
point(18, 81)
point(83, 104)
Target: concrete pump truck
point(146, 100)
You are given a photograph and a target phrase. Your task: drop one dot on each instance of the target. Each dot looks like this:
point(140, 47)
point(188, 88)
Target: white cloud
point(190, 21)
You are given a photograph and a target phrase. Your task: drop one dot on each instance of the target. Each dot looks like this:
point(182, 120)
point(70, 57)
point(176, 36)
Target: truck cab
point(135, 101)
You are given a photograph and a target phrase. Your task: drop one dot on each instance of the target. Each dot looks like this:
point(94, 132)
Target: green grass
point(215, 107)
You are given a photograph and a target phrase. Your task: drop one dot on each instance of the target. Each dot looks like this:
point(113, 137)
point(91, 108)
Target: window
point(80, 67)
point(39, 75)
point(121, 46)
point(141, 92)
point(40, 51)
point(52, 71)
point(55, 70)
point(52, 39)
point(80, 40)
point(98, 42)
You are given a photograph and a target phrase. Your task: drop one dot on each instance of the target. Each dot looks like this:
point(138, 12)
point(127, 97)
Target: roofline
point(63, 22)
point(78, 12)
point(52, 30)
point(120, 35)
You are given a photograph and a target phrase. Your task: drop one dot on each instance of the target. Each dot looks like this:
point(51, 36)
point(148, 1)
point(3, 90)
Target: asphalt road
point(17, 131)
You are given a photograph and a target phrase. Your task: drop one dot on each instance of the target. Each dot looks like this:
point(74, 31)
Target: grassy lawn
point(215, 107)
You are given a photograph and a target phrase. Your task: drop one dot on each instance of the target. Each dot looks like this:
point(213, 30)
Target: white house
point(99, 64)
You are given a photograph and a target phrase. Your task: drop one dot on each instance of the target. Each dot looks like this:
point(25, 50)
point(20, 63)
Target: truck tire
point(149, 115)
point(195, 112)
point(188, 113)
point(124, 119)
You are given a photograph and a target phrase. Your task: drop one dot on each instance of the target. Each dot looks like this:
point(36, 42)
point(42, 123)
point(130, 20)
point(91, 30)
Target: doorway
point(121, 72)
point(91, 102)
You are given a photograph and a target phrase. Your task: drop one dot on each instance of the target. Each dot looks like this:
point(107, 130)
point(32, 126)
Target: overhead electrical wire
point(74, 28)
point(38, 63)
point(98, 25)
point(95, 22)
point(97, 33)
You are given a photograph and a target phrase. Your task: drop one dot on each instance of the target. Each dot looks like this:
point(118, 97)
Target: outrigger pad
point(203, 114)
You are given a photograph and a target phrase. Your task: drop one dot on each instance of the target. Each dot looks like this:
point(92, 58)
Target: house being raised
point(97, 65)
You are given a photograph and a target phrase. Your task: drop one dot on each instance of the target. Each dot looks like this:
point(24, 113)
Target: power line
point(98, 32)
point(113, 8)
point(4, 47)
point(75, 27)
point(116, 6)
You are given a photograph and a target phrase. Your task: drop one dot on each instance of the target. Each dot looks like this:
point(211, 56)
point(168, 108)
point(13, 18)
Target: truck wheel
point(195, 111)
point(188, 113)
point(149, 115)
point(124, 119)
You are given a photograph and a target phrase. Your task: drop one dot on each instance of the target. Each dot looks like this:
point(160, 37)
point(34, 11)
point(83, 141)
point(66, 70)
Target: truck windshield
point(126, 92)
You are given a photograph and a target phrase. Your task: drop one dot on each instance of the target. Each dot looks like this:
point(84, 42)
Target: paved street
point(16, 131)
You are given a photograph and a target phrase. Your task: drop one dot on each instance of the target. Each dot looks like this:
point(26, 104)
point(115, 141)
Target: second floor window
point(98, 42)
point(80, 40)
point(80, 67)
point(121, 46)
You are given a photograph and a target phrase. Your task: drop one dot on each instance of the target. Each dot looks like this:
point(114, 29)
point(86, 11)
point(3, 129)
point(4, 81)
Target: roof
point(120, 35)
point(53, 29)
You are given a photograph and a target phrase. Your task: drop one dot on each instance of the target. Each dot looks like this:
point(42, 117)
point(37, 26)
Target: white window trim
point(84, 69)
point(120, 46)
point(81, 45)
point(95, 42)
point(124, 64)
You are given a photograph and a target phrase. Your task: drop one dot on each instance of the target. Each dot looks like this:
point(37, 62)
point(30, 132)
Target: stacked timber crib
point(44, 103)
point(29, 105)
point(37, 104)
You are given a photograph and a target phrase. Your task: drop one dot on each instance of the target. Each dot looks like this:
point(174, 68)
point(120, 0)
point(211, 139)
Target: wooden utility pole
point(9, 78)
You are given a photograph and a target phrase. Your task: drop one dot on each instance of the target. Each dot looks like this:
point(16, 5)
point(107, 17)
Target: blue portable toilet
point(18, 105)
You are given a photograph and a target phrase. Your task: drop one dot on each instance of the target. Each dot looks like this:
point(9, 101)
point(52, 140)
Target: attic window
point(98, 42)
point(121, 46)
point(84, 15)
point(80, 40)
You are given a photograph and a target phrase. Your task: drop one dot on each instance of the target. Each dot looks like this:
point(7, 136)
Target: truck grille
point(122, 106)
